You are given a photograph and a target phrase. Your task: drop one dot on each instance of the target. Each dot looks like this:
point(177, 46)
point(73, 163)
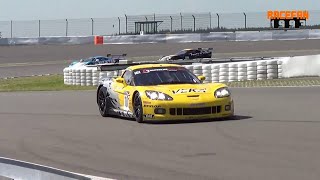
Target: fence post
point(11, 31)
point(170, 23)
point(218, 21)
point(181, 20)
point(39, 28)
point(210, 19)
point(245, 20)
point(119, 25)
point(126, 23)
point(194, 23)
point(67, 26)
point(92, 26)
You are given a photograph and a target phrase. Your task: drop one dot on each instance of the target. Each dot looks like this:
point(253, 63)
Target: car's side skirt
point(122, 113)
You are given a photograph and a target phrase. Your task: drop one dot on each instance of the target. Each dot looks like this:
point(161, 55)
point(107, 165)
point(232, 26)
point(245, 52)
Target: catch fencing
point(171, 23)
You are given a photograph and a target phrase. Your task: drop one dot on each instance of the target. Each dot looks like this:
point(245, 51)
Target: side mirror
point(201, 78)
point(120, 80)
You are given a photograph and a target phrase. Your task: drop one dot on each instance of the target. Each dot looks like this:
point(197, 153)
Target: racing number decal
point(126, 101)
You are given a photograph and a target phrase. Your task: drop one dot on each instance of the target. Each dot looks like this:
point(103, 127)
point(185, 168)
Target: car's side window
point(127, 76)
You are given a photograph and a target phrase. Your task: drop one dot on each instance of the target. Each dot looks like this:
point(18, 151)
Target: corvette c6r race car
point(163, 92)
point(189, 54)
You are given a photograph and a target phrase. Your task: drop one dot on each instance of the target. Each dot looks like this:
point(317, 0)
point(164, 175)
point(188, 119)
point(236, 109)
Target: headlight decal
point(222, 92)
point(155, 95)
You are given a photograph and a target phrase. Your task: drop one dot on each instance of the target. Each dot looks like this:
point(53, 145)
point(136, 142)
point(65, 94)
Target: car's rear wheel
point(102, 102)
point(137, 108)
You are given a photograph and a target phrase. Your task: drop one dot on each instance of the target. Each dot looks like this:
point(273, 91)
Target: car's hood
point(185, 89)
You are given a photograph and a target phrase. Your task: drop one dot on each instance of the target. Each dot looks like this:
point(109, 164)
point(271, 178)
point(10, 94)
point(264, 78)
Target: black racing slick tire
point(137, 108)
point(102, 102)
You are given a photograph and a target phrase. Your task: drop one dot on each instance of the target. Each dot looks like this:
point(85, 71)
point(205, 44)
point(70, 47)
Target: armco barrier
point(48, 41)
point(215, 36)
point(285, 67)
point(168, 38)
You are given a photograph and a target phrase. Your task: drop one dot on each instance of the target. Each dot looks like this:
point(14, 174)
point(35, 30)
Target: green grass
point(55, 83)
point(302, 82)
point(38, 83)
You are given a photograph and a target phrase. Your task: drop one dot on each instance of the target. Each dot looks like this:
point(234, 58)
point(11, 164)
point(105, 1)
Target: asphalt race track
point(51, 59)
point(275, 136)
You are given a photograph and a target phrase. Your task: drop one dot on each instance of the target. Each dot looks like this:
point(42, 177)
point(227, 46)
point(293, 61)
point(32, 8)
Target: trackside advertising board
point(288, 19)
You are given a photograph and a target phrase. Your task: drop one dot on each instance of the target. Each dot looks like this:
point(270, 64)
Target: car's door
point(124, 90)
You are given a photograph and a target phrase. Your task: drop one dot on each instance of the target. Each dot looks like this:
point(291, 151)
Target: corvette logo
point(183, 91)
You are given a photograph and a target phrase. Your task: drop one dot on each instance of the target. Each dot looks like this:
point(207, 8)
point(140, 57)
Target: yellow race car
point(153, 92)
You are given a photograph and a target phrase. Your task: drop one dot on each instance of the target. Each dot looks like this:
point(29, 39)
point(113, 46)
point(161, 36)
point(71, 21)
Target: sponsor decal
point(137, 72)
point(191, 90)
point(149, 116)
point(126, 100)
point(146, 102)
point(152, 106)
point(157, 69)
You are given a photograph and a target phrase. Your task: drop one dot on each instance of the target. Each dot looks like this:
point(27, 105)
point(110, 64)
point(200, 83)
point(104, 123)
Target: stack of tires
point(233, 72)
point(78, 77)
point(89, 77)
point(242, 72)
point(206, 72)
point(103, 74)
point(224, 73)
point(95, 77)
point(215, 73)
point(83, 80)
point(279, 69)
point(252, 71)
point(197, 70)
point(272, 69)
point(189, 67)
point(66, 76)
point(262, 70)
point(110, 74)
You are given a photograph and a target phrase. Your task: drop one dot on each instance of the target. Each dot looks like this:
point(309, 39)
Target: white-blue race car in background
point(98, 60)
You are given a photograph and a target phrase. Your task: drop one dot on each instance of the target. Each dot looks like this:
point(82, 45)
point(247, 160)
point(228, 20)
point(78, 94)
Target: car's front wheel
point(137, 108)
point(102, 102)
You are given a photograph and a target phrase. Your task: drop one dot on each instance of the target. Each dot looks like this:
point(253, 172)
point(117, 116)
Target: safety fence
point(168, 23)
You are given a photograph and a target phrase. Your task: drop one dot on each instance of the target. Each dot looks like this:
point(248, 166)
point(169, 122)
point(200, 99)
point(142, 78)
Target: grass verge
point(38, 83)
point(55, 83)
point(289, 82)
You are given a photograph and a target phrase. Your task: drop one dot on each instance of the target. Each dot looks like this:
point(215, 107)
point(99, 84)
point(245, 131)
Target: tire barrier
point(279, 69)
point(218, 72)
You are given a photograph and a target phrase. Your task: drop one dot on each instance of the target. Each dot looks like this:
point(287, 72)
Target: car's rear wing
point(206, 49)
point(125, 64)
point(117, 56)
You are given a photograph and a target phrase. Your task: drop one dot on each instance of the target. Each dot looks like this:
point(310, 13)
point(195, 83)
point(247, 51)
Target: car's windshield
point(182, 52)
point(102, 59)
point(164, 75)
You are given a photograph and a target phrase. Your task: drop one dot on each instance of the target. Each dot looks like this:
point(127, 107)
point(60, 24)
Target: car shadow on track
point(234, 118)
